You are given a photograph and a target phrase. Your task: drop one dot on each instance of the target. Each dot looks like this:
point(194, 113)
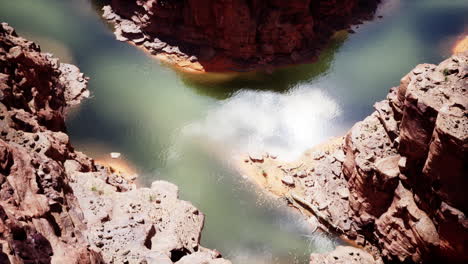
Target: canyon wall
point(406, 166)
point(395, 184)
point(56, 204)
point(247, 30)
point(40, 219)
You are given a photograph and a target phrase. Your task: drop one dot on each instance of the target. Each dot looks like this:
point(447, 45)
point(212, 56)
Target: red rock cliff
point(245, 29)
point(395, 184)
point(406, 166)
point(56, 204)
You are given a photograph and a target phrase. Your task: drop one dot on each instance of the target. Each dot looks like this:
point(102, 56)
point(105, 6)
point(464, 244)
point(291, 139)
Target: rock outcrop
point(250, 32)
point(56, 204)
point(343, 255)
point(406, 166)
point(395, 184)
point(40, 219)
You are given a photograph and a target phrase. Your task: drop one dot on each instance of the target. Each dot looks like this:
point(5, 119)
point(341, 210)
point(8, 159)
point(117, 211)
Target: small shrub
point(95, 189)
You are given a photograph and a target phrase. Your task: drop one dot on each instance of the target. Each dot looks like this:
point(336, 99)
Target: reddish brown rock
point(368, 144)
point(404, 231)
point(56, 205)
point(258, 31)
point(40, 217)
point(425, 121)
point(396, 185)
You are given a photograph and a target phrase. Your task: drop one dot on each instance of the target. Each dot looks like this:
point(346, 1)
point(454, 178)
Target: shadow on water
point(445, 23)
point(98, 4)
point(224, 85)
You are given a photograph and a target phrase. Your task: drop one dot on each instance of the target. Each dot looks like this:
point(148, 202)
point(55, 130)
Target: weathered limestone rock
point(343, 255)
point(139, 224)
point(288, 180)
point(56, 204)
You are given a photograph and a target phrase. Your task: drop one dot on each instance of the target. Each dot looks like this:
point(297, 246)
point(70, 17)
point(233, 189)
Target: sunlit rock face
point(406, 166)
point(56, 204)
point(246, 29)
point(40, 220)
point(395, 184)
point(343, 254)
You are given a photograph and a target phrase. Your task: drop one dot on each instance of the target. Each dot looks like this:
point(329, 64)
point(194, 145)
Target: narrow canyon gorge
point(391, 189)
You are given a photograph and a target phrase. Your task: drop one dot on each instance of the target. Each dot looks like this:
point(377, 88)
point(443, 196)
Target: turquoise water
point(168, 125)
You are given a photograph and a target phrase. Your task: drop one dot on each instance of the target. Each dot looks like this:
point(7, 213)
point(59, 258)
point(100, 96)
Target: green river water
point(170, 126)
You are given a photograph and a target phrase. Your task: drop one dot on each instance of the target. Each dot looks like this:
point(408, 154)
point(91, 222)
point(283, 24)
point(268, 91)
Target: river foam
point(280, 124)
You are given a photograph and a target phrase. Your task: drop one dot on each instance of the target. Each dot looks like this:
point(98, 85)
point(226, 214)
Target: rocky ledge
point(218, 35)
point(56, 204)
point(395, 184)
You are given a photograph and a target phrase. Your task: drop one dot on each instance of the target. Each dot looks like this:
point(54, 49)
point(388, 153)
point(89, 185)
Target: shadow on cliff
point(224, 85)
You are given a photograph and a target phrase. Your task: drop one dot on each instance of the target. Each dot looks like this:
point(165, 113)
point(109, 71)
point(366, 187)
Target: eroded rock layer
point(258, 31)
point(343, 255)
point(406, 166)
point(56, 204)
point(395, 185)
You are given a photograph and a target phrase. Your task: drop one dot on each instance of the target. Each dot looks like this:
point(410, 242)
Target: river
point(188, 129)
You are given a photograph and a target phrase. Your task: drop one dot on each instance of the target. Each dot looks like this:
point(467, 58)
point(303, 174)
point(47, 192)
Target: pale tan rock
point(288, 180)
point(343, 255)
point(56, 205)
